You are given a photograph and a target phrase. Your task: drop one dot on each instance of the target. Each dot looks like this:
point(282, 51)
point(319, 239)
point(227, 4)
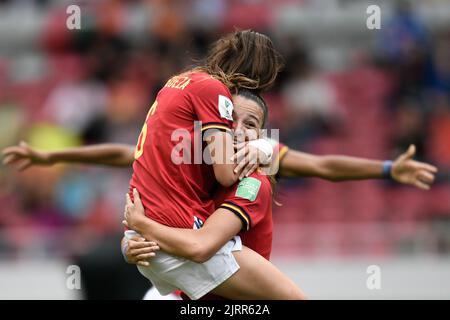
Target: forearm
point(340, 168)
point(197, 245)
point(180, 242)
point(220, 147)
point(329, 167)
point(105, 154)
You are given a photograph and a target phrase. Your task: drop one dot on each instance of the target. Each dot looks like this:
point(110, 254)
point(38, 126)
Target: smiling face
point(248, 118)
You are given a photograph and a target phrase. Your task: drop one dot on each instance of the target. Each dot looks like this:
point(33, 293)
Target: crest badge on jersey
point(225, 107)
point(198, 223)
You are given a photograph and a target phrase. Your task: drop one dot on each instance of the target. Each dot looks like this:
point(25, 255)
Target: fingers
point(409, 154)
point(426, 166)
point(125, 223)
point(421, 185)
point(247, 161)
point(23, 144)
point(125, 212)
point(142, 244)
point(425, 177)
point(240, 155)
point(241, 165)
point(10, 159)
point(430, 168)
point(128, 200)
point(24, 164)
point(145, 256)
point(15, 150)
point(14, 154)
point(248, 170)
point(128, 206)
point(238, 146)
point(250, 164)
point(142, 251)
point(137, 239)
point(137, 199)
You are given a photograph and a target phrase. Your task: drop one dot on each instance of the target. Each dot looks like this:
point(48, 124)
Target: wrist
point(265, 147)
point(387, 169)
point(141, 223)
point(49, 157)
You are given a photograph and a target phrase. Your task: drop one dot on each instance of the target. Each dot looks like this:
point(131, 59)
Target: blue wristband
point(387, 169)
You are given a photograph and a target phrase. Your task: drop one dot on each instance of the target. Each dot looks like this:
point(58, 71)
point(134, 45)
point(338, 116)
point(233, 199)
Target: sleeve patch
point(225, 107)
point(248, 189)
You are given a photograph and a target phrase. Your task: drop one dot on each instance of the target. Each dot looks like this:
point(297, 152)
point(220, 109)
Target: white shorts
point(169, 273)
point(153, 294)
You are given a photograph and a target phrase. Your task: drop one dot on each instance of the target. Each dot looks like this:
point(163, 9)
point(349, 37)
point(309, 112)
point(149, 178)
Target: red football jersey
point(173, 194)
point(251, 201)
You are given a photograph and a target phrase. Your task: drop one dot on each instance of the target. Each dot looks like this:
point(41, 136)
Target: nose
point(239, 135)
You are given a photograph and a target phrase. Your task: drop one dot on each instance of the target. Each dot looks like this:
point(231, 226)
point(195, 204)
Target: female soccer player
point(176, 178)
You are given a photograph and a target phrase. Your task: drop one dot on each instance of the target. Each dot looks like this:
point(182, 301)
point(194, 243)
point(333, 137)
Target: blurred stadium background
point(345, 89)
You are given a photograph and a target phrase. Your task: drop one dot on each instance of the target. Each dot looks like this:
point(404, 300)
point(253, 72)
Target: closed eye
point(250, 125)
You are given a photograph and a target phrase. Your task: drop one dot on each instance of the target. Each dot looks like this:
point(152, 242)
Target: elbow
point(201, 258)
point(332, 178)
point(325, 171)
point(200, 253)
point(226, 180)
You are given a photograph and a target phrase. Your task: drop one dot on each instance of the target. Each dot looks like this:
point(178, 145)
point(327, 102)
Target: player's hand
point(246, 157)
point(134, 211)
point(23, 156)
point(408, 171)
point(139, 251)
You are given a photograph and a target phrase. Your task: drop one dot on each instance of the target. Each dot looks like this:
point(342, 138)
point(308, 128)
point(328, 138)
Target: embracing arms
point(194, 244)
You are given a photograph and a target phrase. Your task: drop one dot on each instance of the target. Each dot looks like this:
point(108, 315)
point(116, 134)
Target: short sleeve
point(249, 200)
point(279, 152)
point(213, 106)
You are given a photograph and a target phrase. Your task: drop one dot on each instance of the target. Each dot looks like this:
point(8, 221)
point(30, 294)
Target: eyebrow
point(252, 116)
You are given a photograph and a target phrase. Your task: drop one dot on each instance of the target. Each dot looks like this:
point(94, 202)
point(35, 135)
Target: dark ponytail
point(244, 59)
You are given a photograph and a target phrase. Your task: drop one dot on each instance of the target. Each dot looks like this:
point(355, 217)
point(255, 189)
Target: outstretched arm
point(340, 168)
point(197, 245)
point(110, 154)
